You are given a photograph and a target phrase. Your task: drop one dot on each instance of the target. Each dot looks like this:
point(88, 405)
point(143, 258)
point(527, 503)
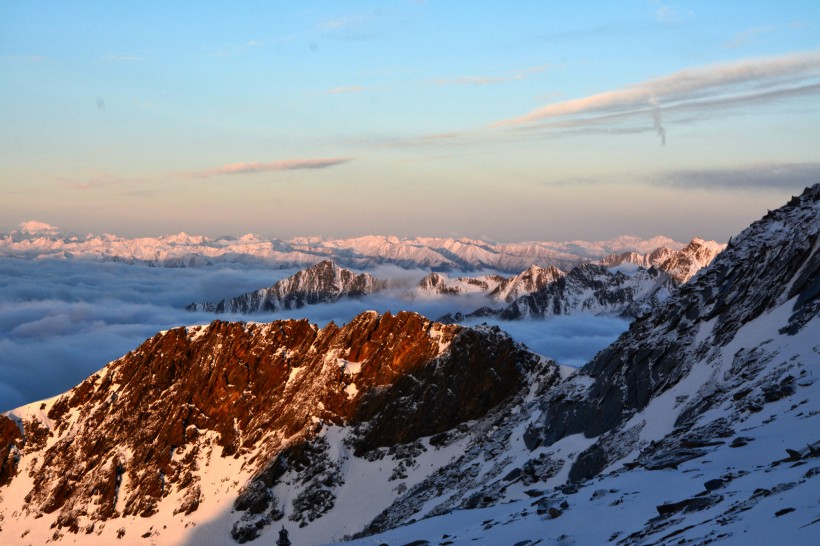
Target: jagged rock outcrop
point(10, 444)
point(772, 262)
point(324, 282)
point(593, 289)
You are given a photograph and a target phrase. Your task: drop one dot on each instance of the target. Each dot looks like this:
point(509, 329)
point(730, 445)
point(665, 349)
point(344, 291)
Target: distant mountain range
point(535, 292)
point(35, 240)
point(699, 425)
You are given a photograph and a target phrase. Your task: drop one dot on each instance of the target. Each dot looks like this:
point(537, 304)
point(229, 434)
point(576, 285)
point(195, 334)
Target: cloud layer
point(61, 321)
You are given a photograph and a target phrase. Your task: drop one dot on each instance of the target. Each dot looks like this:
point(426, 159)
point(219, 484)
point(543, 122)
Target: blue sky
point(497, 120)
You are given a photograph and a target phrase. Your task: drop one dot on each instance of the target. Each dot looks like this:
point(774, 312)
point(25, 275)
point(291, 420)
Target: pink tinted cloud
point(260, 167)
point(705, 82)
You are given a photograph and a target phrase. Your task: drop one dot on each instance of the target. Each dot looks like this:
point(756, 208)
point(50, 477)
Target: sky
point(492, 120)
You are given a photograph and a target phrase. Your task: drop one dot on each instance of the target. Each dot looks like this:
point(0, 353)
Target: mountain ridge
point(713, 392)
point(440, 254)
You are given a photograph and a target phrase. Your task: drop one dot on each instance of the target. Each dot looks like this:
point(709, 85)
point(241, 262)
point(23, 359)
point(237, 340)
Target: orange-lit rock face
point(254, 390)
point(9, 442)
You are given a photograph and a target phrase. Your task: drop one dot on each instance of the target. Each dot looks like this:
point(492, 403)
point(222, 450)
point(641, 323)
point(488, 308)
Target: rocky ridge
point(728, 361)
point(496, 287)
point(324, 282)
point(681, 264)
point(196, 415)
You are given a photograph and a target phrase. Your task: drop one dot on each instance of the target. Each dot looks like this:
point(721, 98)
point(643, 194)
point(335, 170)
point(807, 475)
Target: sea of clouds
point(62, 320)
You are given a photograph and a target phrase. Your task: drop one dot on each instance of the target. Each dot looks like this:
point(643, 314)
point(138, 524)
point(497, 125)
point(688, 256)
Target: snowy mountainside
point(496, 287)
point(594, 289)
point(531, 280)
point(603, 288)
point(440, 284)
point(35, 240)
point(324, 282)
point(680, 264)
point(714, 395)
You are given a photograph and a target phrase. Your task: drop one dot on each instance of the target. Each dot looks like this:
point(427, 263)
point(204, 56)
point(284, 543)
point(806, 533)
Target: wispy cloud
point(352, 27)
point(742, 38)
point(778, 176)
point(669, 14)
point(712, 86)
point(491, 80)
point(96, 181)
point(343, 90)
point(260, 167)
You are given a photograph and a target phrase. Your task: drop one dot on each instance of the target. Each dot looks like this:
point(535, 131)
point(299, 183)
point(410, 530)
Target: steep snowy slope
point(700, 424)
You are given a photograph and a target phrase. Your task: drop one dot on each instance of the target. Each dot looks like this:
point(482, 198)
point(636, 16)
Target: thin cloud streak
point(685, 85)
point(97, 181)
point(259, 167)
point(779, 176)
point(742, 38)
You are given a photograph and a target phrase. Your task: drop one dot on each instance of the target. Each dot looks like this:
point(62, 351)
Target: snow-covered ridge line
point(33, 241)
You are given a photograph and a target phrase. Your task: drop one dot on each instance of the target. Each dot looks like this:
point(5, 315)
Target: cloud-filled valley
point(61, 320)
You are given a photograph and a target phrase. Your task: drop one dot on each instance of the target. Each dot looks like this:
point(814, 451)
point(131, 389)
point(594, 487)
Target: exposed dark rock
point(695, 504)
point(715, 484)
